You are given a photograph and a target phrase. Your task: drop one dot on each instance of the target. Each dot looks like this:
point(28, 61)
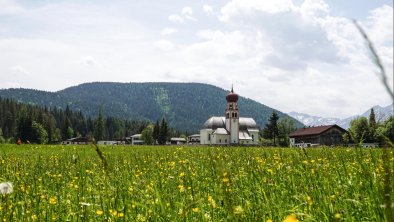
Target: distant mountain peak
point(381, 114)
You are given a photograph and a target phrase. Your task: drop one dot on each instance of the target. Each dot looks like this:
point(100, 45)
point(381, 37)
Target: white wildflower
point(6, 188)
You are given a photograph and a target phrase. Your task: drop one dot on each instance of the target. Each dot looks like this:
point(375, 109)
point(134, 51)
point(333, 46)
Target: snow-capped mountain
point(381, 114)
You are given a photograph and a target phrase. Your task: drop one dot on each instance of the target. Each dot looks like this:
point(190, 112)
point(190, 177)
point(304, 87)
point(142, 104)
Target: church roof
point(221, 131)
point(244, 135)
point(216, 122)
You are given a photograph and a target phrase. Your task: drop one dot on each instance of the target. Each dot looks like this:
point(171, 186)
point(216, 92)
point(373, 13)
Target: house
point(193, 139)
point(231, 128)
point(76, 141)
point(330, 135)
point(177, 141)
point(103, 142)
point(135, 139)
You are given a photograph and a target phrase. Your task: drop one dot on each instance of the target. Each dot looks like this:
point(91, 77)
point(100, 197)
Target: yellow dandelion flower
point(195, 210)
point(99, 212)
point(238, 210)
point(337, 216)
point(181, 188)
point(309, 200)
point(121, 214)
point(269, 220)
point(113, 212)
point(226, 180)
point(53, 200)
point(291, 218)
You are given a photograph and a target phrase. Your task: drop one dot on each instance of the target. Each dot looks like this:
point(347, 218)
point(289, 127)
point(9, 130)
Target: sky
point(292, 55)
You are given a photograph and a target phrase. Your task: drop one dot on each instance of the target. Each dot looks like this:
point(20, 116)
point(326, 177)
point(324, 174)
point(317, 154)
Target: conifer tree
point(163, 133)
point(99, 131)
point(156, 132)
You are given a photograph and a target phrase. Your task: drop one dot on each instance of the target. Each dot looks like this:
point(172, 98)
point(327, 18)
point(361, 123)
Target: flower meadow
point(173, 183)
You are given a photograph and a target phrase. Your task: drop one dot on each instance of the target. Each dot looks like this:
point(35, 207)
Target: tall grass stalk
point(387, 156)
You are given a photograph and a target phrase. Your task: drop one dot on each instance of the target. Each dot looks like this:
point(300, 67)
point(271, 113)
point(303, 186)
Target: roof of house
point(316, 130)
point(180, 139)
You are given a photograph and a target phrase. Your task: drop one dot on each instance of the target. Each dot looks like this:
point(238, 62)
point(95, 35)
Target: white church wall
point(206, 136)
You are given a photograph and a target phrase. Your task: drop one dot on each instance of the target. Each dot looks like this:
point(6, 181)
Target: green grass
point(70, 183)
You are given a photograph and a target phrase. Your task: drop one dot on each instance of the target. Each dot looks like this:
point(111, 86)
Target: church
point(230, 129)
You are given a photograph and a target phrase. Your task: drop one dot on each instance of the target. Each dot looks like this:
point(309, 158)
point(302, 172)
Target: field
point(76, 183)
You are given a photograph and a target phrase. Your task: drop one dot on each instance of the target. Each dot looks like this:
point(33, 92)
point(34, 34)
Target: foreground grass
point(70, 183)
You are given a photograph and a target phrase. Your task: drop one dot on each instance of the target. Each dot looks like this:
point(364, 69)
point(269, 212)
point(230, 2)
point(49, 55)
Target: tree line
point(33, 124)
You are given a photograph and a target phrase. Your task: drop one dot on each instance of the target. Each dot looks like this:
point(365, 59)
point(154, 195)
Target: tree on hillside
point(285, 127)
point(147, 135)
point(372, 119)
point(156, 132)
point(24, 127)
point(372, 126)
point(99, 130)
point(163, 132)
point(271, 129)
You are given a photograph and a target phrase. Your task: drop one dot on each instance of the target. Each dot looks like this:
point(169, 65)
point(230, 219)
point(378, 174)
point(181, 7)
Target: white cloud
point(186, 14)
point(164, 45)
point(176, 18)
point(168, 31)
point(249, 7)
point(208, 9)
point(187, 11)
point(205, 34)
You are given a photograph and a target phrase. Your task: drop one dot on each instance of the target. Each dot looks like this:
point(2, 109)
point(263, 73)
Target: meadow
point(168, 183)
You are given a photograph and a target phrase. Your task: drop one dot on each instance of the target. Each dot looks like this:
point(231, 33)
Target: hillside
point(185, 105)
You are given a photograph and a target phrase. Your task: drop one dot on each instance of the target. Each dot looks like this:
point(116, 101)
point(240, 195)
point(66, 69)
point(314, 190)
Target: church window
point(228, 115)
point(225, 140)
point(235, 115)
point(209, 137)
point(231, 106)
point(252, 137)
point(220, 140)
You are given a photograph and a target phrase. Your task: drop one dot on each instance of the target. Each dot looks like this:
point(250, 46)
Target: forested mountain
point(186, 106)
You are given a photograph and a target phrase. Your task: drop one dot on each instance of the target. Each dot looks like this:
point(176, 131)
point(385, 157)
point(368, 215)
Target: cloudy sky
point(292, 55)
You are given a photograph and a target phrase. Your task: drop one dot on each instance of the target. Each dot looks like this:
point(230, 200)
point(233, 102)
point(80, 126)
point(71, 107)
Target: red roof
point(313, 130)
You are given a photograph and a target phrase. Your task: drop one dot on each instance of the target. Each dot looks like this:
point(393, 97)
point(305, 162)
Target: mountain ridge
point(186, 106)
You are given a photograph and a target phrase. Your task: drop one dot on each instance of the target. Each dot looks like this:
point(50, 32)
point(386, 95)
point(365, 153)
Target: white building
point(230, 129)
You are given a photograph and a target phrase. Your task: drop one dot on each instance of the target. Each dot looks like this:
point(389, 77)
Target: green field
point(72, 183)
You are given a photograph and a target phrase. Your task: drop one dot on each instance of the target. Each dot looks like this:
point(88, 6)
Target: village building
point(193, 139)
point(134, 139)
point(230, 129)
point(76, 141)
point(177, 141)
point(330, 135)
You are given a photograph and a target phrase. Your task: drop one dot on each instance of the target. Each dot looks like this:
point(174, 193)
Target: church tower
point(232, 117)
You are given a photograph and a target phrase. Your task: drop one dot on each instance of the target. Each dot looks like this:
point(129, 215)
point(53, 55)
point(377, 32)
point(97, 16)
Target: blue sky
point(293, 55)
